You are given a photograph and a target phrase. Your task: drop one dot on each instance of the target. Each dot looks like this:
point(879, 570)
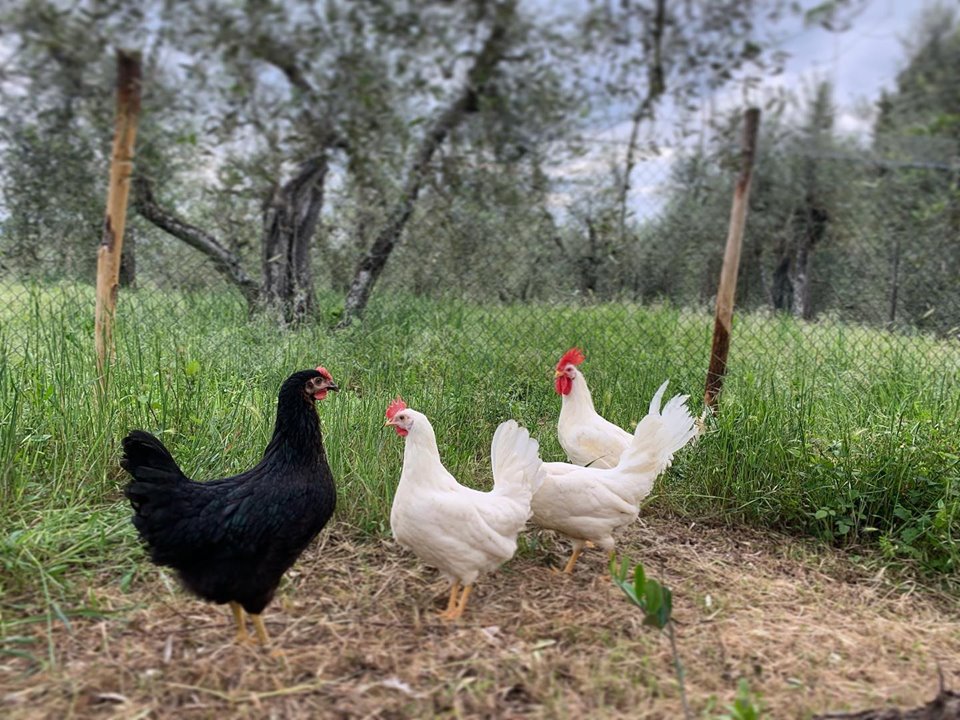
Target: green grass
point(847, 433)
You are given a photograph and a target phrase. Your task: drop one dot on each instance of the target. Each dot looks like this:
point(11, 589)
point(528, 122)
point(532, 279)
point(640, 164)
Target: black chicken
point(231, 540)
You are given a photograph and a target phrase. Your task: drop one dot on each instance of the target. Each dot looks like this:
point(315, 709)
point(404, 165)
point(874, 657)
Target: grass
point(846, 433)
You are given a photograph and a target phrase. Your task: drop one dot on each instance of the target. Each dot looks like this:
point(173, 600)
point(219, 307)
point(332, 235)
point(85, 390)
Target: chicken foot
point(461, 605)
point(577, 549)
point(242, 638)
point(262, 635)
point(452, 602)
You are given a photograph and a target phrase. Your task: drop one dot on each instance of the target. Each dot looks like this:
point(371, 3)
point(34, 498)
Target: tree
point(467, 100)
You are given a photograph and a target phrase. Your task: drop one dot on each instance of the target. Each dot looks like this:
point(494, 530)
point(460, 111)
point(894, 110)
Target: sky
point(860, 62)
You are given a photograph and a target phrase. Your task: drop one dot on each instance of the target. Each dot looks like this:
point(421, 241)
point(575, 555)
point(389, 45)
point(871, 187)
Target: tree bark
point(373, 263)
point(781, 291)
point(813, 227)
point(894, 279)
point(128, 261)
point(224, 261)
point(289, 223)
point(589, 263)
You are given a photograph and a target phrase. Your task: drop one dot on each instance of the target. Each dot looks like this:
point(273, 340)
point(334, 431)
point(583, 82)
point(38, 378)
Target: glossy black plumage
point(231, 540)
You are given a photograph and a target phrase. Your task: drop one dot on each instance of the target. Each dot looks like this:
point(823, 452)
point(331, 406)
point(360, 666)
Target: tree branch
point(224, 261)
point(656, 86)
point(477, 84)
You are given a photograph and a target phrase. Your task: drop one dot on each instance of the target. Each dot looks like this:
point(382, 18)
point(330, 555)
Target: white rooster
point(586, 437)
point(587, 504)
point(459, 531)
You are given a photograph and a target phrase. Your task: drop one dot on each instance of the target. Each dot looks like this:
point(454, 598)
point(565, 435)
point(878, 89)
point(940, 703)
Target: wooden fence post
point(121, 168)
point(731, 261)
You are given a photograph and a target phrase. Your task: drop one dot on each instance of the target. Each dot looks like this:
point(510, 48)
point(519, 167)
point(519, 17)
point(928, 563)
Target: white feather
point(459, 531)
point(591, 503)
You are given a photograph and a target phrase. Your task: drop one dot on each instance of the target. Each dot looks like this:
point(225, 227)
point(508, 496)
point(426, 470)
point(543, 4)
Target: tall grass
point(841, 432)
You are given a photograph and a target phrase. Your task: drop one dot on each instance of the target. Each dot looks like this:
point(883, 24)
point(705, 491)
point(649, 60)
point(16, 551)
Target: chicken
point(588, 504)
point(459, 531)
point(231, 540)
point(586, 437)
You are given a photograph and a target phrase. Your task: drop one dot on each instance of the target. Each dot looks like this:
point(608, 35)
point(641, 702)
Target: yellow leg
point(577, 549)
point(262, 634)
point(611, 557)
point(452, 603)
point(461, 606)
point(242, 638)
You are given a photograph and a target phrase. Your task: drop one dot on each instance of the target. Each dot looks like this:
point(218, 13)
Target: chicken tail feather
point(659, 436)
point(152, 466)
point(515, 457)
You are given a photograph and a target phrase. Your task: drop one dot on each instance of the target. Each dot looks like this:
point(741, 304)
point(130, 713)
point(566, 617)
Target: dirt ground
point(356, 622)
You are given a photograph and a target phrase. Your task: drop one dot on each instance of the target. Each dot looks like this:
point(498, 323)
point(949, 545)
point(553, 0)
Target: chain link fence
point(851, 256)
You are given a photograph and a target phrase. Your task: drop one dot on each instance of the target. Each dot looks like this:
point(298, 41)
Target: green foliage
point(656, 603)
point(866, 427)
point(654, 599)
point(746, 706)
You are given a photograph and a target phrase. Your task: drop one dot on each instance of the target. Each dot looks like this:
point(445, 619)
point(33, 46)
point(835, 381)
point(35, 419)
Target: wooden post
point(121, 168)
point(731, 261)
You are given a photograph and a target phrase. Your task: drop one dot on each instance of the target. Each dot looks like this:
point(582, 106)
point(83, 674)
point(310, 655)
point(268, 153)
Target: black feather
point(232, 539)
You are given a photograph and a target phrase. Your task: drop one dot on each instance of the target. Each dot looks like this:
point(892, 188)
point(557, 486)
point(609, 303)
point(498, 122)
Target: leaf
point(658, 604)
point(901, 512)
point(639, 580)
point(821, 514)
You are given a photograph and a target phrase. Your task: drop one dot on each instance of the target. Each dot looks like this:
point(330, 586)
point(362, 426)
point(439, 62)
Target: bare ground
point(356, 623)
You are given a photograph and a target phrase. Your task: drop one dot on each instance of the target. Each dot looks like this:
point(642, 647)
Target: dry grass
point(356, 622)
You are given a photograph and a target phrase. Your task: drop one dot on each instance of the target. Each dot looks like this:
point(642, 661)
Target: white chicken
point(587, 438)
point(459, 531)
point(587, 504)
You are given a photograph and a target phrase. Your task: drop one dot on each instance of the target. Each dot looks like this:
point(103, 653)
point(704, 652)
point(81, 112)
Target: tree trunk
point(289, 223)
point(781, 292)
point(371, 266)
point(128, 261)
point(656, 86)
point(801, 286)
point(894, 279)
point(589, 263)
point(224, 261)
point(813, 228)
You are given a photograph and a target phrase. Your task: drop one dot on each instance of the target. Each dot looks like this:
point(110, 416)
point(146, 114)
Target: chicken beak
point(557, 373)
point(387, 423)
point(331, 385)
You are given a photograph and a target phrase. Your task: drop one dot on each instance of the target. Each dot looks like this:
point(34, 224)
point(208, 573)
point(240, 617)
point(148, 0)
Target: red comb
point(323, 371)
point(395, 407)
point(573, 356)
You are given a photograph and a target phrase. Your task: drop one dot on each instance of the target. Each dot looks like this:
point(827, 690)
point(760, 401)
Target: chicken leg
point(262, 635)
point(577, 549)
point(458, 610)
point(452, 603)
point(241, 638)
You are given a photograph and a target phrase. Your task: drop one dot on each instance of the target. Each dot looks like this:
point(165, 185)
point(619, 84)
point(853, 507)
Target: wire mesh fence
point(850, 257)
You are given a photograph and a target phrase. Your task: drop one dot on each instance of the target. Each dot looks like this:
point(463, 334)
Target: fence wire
point(850, 256)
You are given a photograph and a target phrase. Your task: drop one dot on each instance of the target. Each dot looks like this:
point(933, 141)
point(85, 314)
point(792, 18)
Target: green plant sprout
point(656, 602)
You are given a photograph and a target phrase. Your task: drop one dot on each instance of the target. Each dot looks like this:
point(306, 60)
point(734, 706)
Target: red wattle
point(563, 384)
point(400, 431)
